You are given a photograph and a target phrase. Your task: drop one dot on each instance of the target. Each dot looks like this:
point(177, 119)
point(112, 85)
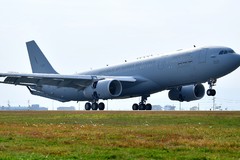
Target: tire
point(88, 106)
point(148, 106)
point(101, 106)
point(142, 107)
point(135, 106)
point(95, 106)
point(211, 92)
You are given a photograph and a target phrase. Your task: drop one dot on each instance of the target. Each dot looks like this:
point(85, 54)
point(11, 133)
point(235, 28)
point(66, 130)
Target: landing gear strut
point(142, 105)
point(210, 91)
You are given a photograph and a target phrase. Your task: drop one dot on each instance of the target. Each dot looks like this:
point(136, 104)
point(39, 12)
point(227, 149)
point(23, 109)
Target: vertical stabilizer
point(39, 62)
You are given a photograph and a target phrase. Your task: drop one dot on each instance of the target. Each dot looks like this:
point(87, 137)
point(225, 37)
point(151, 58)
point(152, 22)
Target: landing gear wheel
point(148, 106)
point(211, 92)
point(212, 82)
point(135, 106)
point(101, 106)
point(94, 106)
point(142, 107)
point(88, 106)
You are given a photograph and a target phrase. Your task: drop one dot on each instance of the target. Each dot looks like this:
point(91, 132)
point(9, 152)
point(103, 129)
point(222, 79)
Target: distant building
point(34, 107)
point(156, 108)
point(194, 108)
point(218, 108)
point(169, 108)
point(14, 108)
point(66, 108)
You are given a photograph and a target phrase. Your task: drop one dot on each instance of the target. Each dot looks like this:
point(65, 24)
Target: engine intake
point(104, 89)
point(187, 93)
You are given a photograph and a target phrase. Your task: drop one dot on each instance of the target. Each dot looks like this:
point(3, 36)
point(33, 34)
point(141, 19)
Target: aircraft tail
point(39, 62)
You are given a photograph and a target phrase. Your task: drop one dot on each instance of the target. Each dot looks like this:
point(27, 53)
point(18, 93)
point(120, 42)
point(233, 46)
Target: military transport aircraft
point(181, 72)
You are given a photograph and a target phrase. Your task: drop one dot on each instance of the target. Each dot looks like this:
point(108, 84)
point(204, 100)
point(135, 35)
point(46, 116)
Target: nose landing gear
point(210, 91)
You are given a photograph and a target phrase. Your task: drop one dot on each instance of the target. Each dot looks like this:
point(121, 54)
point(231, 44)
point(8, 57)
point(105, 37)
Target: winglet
point(39, 62)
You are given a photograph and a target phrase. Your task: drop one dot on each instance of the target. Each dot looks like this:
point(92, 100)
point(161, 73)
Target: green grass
point(119, 135)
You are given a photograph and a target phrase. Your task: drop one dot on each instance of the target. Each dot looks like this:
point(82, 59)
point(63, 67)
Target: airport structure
point(157, 108)
point(194, 108)
point(34, 107)
point(169, 108)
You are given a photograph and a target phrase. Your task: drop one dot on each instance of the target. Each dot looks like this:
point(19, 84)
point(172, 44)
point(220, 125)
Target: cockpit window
point(226, 51)
point(231, 51)
point(222, 52)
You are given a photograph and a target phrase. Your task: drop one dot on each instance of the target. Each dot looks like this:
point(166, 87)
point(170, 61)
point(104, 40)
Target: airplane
point(182, 72)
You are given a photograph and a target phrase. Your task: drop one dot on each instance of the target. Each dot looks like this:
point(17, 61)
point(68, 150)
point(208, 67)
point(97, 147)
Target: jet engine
point(187, 93)
point(103, 89)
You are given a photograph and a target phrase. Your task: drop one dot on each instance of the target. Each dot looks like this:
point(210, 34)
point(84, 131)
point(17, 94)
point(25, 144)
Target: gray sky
point(77, 35)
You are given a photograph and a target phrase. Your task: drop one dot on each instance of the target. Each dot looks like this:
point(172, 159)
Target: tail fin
point(39, 62)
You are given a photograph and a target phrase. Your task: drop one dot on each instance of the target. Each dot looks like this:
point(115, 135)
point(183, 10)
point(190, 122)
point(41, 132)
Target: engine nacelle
point(187, 93)
point(103, 89)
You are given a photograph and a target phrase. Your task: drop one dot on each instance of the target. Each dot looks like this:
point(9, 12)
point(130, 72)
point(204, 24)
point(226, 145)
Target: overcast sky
point(77, 35)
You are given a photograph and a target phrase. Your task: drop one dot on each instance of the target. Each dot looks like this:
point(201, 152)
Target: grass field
point(119, 135)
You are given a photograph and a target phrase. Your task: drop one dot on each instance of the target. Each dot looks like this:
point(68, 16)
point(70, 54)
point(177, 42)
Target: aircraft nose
point(237, 59)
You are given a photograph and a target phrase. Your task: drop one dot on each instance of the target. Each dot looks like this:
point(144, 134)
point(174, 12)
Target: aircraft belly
point(144, 88)
point(66, 93)
point(175, 77)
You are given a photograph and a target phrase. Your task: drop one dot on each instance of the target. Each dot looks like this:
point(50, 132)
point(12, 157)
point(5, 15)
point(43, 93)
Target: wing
point(73, 81)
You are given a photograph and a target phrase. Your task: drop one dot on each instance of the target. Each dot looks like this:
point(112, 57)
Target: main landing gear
point(94, 106)
point(142, 105)
point(210, 91)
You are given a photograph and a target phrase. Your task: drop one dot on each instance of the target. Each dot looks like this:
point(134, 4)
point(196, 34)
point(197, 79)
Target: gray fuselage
point(158, 73)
